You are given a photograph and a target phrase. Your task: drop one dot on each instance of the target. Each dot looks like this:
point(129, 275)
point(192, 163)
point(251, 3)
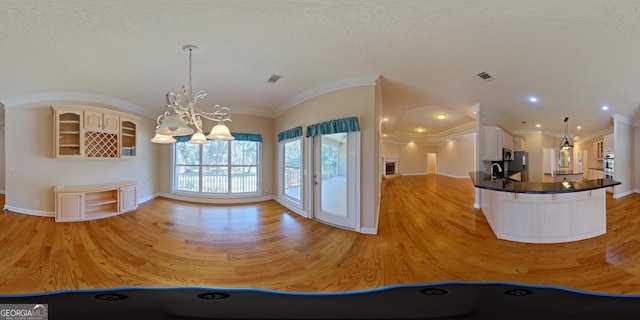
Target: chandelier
point(566, 142)
point(184, 118)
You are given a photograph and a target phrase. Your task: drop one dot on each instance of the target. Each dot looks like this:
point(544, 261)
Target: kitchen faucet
point(493, 176)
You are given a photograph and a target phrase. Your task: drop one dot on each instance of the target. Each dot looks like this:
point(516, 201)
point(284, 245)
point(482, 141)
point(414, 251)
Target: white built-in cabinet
point(519, 144)
point(607, 144)
point(593, 174)
point(90, 202)
point(545, 218)
point(494, 140)
point(82, 132)
point(598, 149)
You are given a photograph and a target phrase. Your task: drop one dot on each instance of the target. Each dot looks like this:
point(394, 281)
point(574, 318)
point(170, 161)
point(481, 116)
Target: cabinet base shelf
point(91, 202)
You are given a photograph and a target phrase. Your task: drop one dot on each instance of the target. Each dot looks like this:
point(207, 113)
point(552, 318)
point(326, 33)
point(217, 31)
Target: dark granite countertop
point(483, 180)
point(566, 172)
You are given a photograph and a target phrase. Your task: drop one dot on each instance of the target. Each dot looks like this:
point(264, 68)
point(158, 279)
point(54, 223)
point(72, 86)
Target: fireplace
point(390, 168)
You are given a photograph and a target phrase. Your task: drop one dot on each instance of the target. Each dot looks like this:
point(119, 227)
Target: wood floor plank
point(428, 232)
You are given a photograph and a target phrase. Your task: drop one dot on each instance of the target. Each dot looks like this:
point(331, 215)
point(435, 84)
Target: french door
point(336, 187)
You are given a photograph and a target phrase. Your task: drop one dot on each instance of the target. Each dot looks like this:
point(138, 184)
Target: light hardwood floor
point(428, 232)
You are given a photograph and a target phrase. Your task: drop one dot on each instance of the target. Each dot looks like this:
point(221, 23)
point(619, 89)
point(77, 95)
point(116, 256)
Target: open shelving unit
point(68, 134)
point(90, 202)
point(128, 138)
point(101, 203)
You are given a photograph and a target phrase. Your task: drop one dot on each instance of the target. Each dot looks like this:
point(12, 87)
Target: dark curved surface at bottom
point(433, 301)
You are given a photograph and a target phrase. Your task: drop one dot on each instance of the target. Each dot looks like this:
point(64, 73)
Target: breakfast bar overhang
point(543, 212)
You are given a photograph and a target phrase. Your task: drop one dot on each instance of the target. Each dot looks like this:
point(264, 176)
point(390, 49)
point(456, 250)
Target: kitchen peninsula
point(543, 212)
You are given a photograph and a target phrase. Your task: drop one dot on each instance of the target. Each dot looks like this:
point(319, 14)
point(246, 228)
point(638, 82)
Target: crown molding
point(67, 96)
point(370, 80)
point(433, 139)
point(625, 119)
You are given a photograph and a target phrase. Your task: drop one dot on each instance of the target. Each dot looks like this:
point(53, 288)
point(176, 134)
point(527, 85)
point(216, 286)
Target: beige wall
point(431, 162)
point(358, 102)
point(29, 154)
point(624, 165)
point(456, 158)
point(412, 157)
point(2, 159)
point(636, 156)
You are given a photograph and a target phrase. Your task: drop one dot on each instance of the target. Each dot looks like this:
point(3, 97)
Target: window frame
point(229, 166)
point(282, 171)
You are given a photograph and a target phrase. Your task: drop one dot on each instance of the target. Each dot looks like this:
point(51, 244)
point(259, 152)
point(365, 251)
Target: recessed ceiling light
point(385, 119)
point(441, 116)
point(605, 107)
point(579, 127)
point(533, 99)
point(420, 130)
point(538, 125)
point(384, 135)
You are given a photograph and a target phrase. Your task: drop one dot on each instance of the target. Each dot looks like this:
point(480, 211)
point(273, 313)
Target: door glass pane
point(292, 164)
point(334, 174)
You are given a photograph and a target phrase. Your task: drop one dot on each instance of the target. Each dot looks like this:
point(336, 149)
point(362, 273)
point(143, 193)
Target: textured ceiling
point(574, 55)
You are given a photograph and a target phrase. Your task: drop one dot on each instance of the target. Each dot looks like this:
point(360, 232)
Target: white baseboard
point(414, 174)
point(622, 194)
point(292, 207)
point(226, 200)
point(145, 199)
point(452, 176)
point(369, 230)
point(30, 211)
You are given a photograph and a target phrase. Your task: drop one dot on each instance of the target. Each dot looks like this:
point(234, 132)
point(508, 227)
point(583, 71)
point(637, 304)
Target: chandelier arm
point(219, 114)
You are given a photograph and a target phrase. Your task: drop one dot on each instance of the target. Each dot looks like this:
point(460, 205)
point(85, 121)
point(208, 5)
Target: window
point(292, 155)
point(218, 167)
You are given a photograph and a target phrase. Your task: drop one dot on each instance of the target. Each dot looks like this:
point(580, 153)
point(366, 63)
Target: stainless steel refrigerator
point(520, 163)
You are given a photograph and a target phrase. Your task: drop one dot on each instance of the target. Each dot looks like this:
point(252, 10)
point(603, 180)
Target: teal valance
point(238, 136)
point(334, 126)
point(247, 136)
point(290, 134)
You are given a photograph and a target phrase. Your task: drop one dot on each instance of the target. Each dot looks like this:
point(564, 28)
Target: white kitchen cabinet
point(608, 144)
point(595, 174)
point(490, 149)
point(545, 218)
point(519, 144)
point(598, 149)
point(507, 140)
point(494, 140)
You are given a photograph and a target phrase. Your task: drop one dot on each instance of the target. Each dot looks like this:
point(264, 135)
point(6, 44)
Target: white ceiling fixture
point(184, 118)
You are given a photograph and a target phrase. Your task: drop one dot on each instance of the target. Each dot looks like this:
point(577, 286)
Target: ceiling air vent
point(485, 76)
point(274, 78)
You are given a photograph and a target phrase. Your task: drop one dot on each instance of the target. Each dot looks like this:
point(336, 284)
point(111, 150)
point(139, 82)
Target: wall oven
point(608, 166)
